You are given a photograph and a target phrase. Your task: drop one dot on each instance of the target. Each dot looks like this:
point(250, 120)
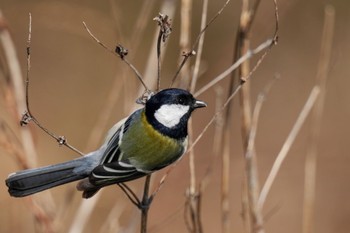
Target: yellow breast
point(147, 149)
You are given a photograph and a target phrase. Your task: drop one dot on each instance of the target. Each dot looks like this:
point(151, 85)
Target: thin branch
point(28, 61)
point(225, 181)
point(287, 145)
point(219, 126)
point(187, 55)
point(145, 204)
point(316, 124)
point(265, 45)
point(28, 116)
point(214, 117)
point(170, 8)
point(130, 194)
point(120, 52)
point(200, 47)
point(159, 41)
point(252, 216)
point(192, 166)
point(16, 81)
point(165, 29)
point(256, 219)
point(250, 53)
point(251, 165)
point(185, 41)
point(191, 192)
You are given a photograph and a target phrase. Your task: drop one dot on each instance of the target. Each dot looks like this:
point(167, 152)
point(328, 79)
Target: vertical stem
point(225, 181)
point(311, 157)
point(309, 104)
point(252, 216)
point(145, 204)
point(200, 48)
point(192, 189)
point(159, 62)
point(17, 82)
point(185, 38)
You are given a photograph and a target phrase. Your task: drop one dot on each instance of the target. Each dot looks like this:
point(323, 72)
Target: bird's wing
point(111, 168)
point(114, 138)
point(115, 172)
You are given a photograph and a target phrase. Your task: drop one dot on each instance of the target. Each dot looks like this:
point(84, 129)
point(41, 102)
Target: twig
point(192, 192)
point(186, 55)
point(200, 48)
point(265, 45)
point(28, 60)
point(192, 166)
point(130, 194)
point(164, 32)
point(216, 143)
point(311, 156)
point(252, 216)
point(169, 7)
point(28, 155)
point(225, 179)
point(121, 52)
point(16, 81)
point(193, 211)
point(287, 145)
point(145, 204)
point(159, 40)
point(185, 41)
point(251, 165)
point(28, 116)
point(256, 220)
point(250, 53)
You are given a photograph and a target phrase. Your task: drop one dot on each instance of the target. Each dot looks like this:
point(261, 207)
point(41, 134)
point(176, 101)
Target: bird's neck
point(179, 131)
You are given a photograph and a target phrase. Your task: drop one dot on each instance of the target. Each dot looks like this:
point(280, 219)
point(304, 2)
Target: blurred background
point(73, 80)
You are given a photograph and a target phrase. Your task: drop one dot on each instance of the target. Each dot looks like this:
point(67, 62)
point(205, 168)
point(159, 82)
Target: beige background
point(71, 78)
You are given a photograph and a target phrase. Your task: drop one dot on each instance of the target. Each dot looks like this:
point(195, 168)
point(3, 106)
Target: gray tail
point(31, 181)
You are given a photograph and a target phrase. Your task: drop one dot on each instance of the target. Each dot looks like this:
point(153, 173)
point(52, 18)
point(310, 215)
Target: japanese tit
point(150, 139)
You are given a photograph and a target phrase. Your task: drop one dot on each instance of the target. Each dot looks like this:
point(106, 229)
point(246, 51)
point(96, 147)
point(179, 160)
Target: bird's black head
point(169, 110)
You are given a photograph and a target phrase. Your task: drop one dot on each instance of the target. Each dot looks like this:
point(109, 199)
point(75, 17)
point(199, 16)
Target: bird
point(148, 140)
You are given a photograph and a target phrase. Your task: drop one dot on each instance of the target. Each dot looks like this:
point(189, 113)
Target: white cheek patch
point(169, 115)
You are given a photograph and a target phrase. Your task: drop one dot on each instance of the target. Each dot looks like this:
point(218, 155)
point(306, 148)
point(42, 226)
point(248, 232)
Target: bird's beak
point(199, 104)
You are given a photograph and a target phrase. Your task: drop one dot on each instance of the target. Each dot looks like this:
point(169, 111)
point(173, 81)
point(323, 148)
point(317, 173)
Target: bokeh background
point(72, 78)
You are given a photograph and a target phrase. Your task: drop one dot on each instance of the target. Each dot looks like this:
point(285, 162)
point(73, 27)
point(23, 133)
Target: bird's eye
point(181, 100)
